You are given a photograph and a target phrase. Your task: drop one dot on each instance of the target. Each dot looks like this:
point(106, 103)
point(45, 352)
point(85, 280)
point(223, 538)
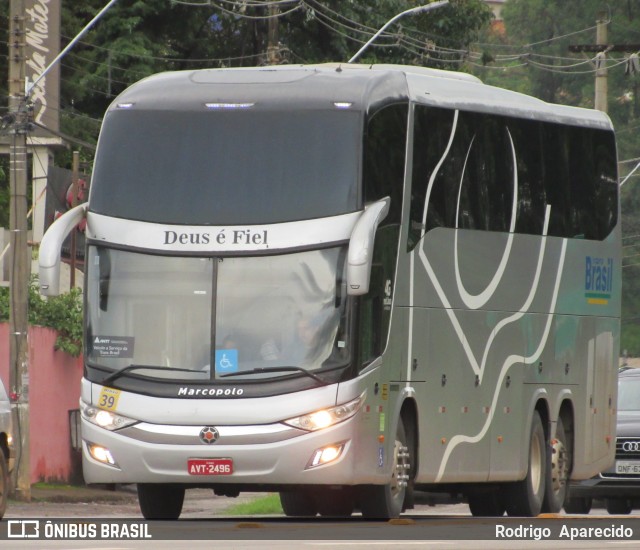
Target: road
point(205, 525)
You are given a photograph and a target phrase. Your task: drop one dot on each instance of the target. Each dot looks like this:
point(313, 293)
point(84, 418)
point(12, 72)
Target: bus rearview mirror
point(360, 255)
point(49, 256)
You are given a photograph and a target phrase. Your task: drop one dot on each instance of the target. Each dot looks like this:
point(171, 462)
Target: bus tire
point(486, 504)
point(160, 501)
point(558, 467)
point(4, 483)
point(297, 504)
point(525, 498)
point(337, 503)
point(578, 505)
point(387, 501)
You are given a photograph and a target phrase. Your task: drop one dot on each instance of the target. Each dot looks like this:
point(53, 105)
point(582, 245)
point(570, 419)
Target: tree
point(137, 38)
point(536, 51)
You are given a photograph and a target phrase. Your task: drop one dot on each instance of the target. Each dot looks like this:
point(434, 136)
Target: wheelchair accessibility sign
point(226, 361)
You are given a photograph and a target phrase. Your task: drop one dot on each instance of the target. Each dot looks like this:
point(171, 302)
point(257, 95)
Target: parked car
point(619, 486)
point(6, 448)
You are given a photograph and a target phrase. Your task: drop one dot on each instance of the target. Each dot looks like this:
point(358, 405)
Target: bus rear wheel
point(524, 498)
point(558, 467)
point(387, 501)
point(488, 504)
point(159, 501)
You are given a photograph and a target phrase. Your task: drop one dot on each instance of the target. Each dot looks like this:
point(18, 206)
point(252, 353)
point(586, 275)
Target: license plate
point(210, 466)
point(628, 467)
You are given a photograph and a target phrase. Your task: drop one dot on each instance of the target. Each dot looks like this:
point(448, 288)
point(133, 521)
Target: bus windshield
point(200, 319)
point(227, 168)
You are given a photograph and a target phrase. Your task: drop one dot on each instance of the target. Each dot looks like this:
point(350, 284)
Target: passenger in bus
point(299, 348)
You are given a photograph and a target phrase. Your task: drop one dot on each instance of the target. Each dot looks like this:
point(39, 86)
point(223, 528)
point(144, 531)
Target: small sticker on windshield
point(113, 346)
point(226, 361)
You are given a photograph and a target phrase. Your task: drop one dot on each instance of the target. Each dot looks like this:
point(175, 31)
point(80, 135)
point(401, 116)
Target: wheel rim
point(559, 466)
point(399, 472)
point(536, 464)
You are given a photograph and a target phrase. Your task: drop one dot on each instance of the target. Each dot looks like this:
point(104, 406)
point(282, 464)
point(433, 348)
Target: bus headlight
point(105, 419)
point(324, 418)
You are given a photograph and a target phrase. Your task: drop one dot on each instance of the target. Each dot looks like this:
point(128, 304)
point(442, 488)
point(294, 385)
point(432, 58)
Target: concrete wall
point(54, 390)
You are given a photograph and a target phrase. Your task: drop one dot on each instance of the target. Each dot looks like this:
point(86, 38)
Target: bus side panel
point(508, 433)
point(605, 399)
point(599, 402)
point(454, 407)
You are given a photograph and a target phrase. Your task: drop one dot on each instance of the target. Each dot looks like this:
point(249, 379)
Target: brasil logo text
point(598, 280)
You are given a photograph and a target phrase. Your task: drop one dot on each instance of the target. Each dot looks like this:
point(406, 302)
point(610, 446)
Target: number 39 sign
point(108, 399)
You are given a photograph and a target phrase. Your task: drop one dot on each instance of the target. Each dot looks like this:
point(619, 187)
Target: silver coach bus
point(343, 283)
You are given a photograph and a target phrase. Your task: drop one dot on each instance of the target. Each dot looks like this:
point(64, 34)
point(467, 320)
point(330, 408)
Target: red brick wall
point(54, 390)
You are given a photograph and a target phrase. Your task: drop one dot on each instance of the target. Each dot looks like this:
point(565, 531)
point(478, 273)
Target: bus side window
point(372, 326)
point(383, 176)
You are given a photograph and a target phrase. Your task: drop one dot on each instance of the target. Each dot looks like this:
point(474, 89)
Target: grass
point(262, 506)
point(52, 485)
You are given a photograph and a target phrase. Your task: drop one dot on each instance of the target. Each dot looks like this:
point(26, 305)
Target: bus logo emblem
point(598, 280)
point(209, 435)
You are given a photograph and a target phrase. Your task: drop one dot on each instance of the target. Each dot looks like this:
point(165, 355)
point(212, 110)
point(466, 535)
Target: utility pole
point(19, 116)
point(601, 100)
point(75, 174)
point(273, 57)
point(602, 48)
point(19, 258)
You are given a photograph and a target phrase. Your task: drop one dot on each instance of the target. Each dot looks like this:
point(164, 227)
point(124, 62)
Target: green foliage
point(62, 313)
point(538, 36)
point(136, 39)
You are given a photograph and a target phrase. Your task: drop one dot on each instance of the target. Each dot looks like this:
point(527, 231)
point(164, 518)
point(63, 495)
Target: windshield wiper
point(260, 370)
point(129, 368)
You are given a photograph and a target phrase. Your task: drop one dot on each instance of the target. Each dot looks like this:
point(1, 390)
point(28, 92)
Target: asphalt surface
point(50, 500)
point(111, 501)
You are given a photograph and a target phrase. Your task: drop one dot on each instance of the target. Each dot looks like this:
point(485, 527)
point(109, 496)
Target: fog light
point(101, 454)
point(324, 455)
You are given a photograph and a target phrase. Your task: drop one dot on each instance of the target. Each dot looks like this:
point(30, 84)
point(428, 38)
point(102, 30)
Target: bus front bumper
point(252, 455)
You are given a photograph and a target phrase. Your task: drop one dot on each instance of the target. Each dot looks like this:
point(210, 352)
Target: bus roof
point(362, 86)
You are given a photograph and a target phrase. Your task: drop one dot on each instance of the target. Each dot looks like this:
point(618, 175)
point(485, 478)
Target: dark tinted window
point(383, 176)
point(227, 167)
point(572, 169)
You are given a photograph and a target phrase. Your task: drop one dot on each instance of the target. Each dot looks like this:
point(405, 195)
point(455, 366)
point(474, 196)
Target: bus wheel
point(524, 498)
point(578, 505)
point(558, 467)
point(488, 504)
point(4, 483)
point(337, 503)
point(386, 501)
point(296, 504)
point(158, 501)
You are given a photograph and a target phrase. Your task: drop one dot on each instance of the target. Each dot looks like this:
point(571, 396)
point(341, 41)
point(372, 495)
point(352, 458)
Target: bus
point(345, 284)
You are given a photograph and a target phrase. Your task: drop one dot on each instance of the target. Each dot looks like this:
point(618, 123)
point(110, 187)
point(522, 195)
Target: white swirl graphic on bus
point(477, 301)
